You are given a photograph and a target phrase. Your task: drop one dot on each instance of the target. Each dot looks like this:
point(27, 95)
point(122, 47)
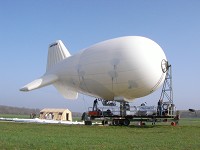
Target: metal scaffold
point(166, 97)
point(167, 90)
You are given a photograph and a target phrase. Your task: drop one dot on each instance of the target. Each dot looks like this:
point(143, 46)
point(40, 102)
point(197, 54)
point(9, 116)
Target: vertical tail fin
point(56, 53)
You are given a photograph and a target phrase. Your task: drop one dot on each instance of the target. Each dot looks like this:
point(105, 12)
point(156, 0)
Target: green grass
point(14, 116)
point(186, 136)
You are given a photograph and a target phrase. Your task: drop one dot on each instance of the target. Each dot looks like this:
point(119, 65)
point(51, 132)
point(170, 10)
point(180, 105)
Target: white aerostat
point(123, 68)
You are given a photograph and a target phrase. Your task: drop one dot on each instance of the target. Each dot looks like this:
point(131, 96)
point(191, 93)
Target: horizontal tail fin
point(45, 80)
point(41, 82)
point(56, 53)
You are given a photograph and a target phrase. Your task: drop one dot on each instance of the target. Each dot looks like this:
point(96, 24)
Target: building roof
point(54, 110)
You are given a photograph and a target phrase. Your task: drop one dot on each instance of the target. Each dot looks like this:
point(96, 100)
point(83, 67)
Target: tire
point(106, 122)
point(126, 122)
point(115, 122)
point(103, 122)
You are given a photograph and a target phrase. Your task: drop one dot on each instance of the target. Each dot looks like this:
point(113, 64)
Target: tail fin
point(56, 53)
point(41, 82)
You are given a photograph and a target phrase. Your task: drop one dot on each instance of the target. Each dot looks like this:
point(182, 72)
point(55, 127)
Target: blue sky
point(28, 27)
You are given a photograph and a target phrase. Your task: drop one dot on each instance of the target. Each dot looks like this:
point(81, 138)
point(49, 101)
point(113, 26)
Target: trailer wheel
point(115, 122)
point(126, 122)
point(104, 122)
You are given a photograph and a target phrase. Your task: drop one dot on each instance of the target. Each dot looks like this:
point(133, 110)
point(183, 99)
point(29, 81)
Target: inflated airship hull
point(123, 68)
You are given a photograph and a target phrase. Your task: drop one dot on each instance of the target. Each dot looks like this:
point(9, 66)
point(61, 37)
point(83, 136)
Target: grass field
point(185, 136)
point(14, 116)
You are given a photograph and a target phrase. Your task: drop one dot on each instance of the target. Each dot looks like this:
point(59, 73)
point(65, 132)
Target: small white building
point(56, 114)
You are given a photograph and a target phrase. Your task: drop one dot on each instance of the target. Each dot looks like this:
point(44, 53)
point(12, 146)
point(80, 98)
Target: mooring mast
point(167, 90)
point(166, 97)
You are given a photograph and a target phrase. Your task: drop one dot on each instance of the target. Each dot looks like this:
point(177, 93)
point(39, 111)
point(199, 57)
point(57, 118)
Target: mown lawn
point(186, 136)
